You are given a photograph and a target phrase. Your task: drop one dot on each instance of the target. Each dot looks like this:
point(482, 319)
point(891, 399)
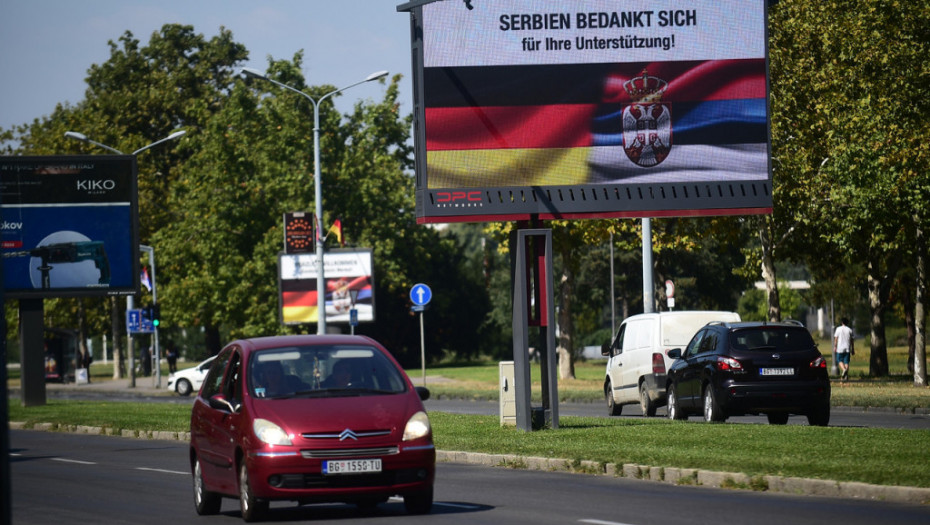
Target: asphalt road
point(76, 478)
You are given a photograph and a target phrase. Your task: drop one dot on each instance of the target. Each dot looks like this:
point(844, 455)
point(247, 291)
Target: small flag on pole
point(145, 279)
point(337, 228)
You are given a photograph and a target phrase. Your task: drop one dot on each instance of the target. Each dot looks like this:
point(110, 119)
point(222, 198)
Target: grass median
point(876, 456)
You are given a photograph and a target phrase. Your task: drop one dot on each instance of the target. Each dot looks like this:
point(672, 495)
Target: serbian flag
point(144, 278)
point(566, 124)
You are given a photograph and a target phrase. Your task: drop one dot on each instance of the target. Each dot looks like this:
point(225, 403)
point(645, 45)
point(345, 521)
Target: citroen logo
point(347, 434)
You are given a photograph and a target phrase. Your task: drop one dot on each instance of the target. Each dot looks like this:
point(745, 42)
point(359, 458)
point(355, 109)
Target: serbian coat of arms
point(647, 121)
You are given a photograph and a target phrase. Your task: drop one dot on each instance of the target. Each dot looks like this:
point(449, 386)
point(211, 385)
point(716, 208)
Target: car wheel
point(674, 408)
point(820, 416)
point(649, 408)
point(184, 387)
point(205, 502)
point(252, 509)
point(712, 410)
point(420, 502)
point(613, 409)
point(778, 418)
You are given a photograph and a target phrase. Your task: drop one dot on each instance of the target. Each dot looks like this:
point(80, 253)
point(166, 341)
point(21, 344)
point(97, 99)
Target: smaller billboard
point(69, 226)
point(298, 232)
point(347, 274)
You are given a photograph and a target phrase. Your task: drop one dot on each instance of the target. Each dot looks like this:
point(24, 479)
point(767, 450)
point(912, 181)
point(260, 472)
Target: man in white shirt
point(843, 347)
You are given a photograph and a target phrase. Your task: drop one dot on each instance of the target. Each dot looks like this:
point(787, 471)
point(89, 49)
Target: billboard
point(590, 108)
point(70, 226)
point(348, 273)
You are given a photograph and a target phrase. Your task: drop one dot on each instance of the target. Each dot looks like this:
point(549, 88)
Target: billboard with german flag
point(349, 283)
point(590, 108)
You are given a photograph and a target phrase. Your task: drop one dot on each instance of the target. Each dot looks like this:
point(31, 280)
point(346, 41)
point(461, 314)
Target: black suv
point(733, 369)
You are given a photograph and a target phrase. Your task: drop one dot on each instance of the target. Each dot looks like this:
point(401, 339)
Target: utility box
point(507, 394)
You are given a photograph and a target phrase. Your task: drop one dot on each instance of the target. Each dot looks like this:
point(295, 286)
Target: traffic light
point(156, 315)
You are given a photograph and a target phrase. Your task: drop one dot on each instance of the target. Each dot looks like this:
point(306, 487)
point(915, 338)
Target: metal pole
point(157, 350)
point(318, 197)
point(422, 350)
point(613, 298)
point(129, 350)
point(648, 292)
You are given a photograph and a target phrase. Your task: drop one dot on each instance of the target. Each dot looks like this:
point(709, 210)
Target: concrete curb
point(671, 475)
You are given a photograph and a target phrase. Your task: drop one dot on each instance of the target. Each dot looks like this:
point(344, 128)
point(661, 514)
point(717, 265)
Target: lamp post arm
point(173, 136)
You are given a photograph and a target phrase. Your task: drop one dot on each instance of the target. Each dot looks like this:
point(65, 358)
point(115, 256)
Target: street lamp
point(129, 300)
point(317, 182)
point(83, 138)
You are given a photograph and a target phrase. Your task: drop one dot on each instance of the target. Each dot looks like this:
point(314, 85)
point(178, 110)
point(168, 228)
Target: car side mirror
point(423, 392)
point(219, 402)
point(605, 349)
point(674, 353)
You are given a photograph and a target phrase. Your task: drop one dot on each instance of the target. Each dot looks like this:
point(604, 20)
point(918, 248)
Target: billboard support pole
point(32, 347)
point(648, 292)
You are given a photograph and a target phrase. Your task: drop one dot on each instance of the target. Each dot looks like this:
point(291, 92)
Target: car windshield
point(323, 371)
point(767, 338)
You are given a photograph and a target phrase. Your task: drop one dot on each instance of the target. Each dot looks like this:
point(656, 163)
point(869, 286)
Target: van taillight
point(658, 364)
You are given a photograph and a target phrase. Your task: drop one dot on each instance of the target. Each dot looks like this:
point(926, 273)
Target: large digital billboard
point(349, 284)
point(70, 226)
point(590, 108)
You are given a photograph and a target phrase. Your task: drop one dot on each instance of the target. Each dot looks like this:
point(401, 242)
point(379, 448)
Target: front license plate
point(776, 371)
point(352, 466)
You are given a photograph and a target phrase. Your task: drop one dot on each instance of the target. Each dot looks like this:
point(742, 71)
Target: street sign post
point(421, 295)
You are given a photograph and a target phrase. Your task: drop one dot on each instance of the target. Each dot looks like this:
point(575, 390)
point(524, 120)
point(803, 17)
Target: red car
point(310, 419)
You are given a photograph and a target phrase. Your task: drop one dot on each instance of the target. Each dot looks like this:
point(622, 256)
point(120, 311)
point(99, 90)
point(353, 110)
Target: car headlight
point(417, 426)
point(270, 433)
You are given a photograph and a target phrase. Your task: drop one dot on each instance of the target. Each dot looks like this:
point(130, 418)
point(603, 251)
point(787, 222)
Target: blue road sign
point(136, 323)
point(420, 294)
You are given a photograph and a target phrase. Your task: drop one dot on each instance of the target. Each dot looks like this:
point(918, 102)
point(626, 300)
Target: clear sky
point(47, 46)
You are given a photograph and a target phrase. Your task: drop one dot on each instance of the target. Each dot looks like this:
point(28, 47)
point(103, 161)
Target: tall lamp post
point(317, 182)
point(129, 300)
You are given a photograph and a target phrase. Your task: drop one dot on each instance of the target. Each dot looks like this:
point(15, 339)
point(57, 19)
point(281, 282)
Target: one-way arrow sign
point(420, 294)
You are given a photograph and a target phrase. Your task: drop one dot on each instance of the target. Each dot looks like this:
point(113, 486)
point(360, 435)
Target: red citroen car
point(310, 419)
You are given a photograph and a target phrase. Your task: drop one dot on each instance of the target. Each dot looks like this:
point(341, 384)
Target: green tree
point(850, 106)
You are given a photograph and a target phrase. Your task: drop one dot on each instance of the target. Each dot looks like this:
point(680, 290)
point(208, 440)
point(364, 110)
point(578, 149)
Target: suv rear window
point(767, 338)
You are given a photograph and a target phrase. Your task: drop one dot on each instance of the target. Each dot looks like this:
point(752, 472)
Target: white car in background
point(189, 380)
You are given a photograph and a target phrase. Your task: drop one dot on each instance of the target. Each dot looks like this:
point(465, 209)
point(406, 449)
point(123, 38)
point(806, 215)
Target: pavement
point(146, 387)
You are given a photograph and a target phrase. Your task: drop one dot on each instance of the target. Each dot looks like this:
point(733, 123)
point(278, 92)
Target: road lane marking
point(163, 470)
point(602, 522)
point(63, 460)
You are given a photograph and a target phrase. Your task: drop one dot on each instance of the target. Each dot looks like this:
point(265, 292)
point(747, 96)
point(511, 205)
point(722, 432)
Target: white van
point(638, 357)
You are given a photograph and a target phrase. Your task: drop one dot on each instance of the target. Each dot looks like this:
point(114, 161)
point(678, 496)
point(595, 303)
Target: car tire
point(777, 418)
point(712, 411)
point(819, 416)
point(645, 402)
point(420, 502)
point(184, 387)
point(613, 409)
point(206, 502)
point(674, 407)
point(252, 509)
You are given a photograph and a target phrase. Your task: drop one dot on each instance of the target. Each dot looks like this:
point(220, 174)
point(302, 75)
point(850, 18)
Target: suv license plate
point(351, 466)
point(776, 371)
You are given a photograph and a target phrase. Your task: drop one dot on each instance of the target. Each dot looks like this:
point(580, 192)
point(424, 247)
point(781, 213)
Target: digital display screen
point(348, 279)
point(587, 109)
